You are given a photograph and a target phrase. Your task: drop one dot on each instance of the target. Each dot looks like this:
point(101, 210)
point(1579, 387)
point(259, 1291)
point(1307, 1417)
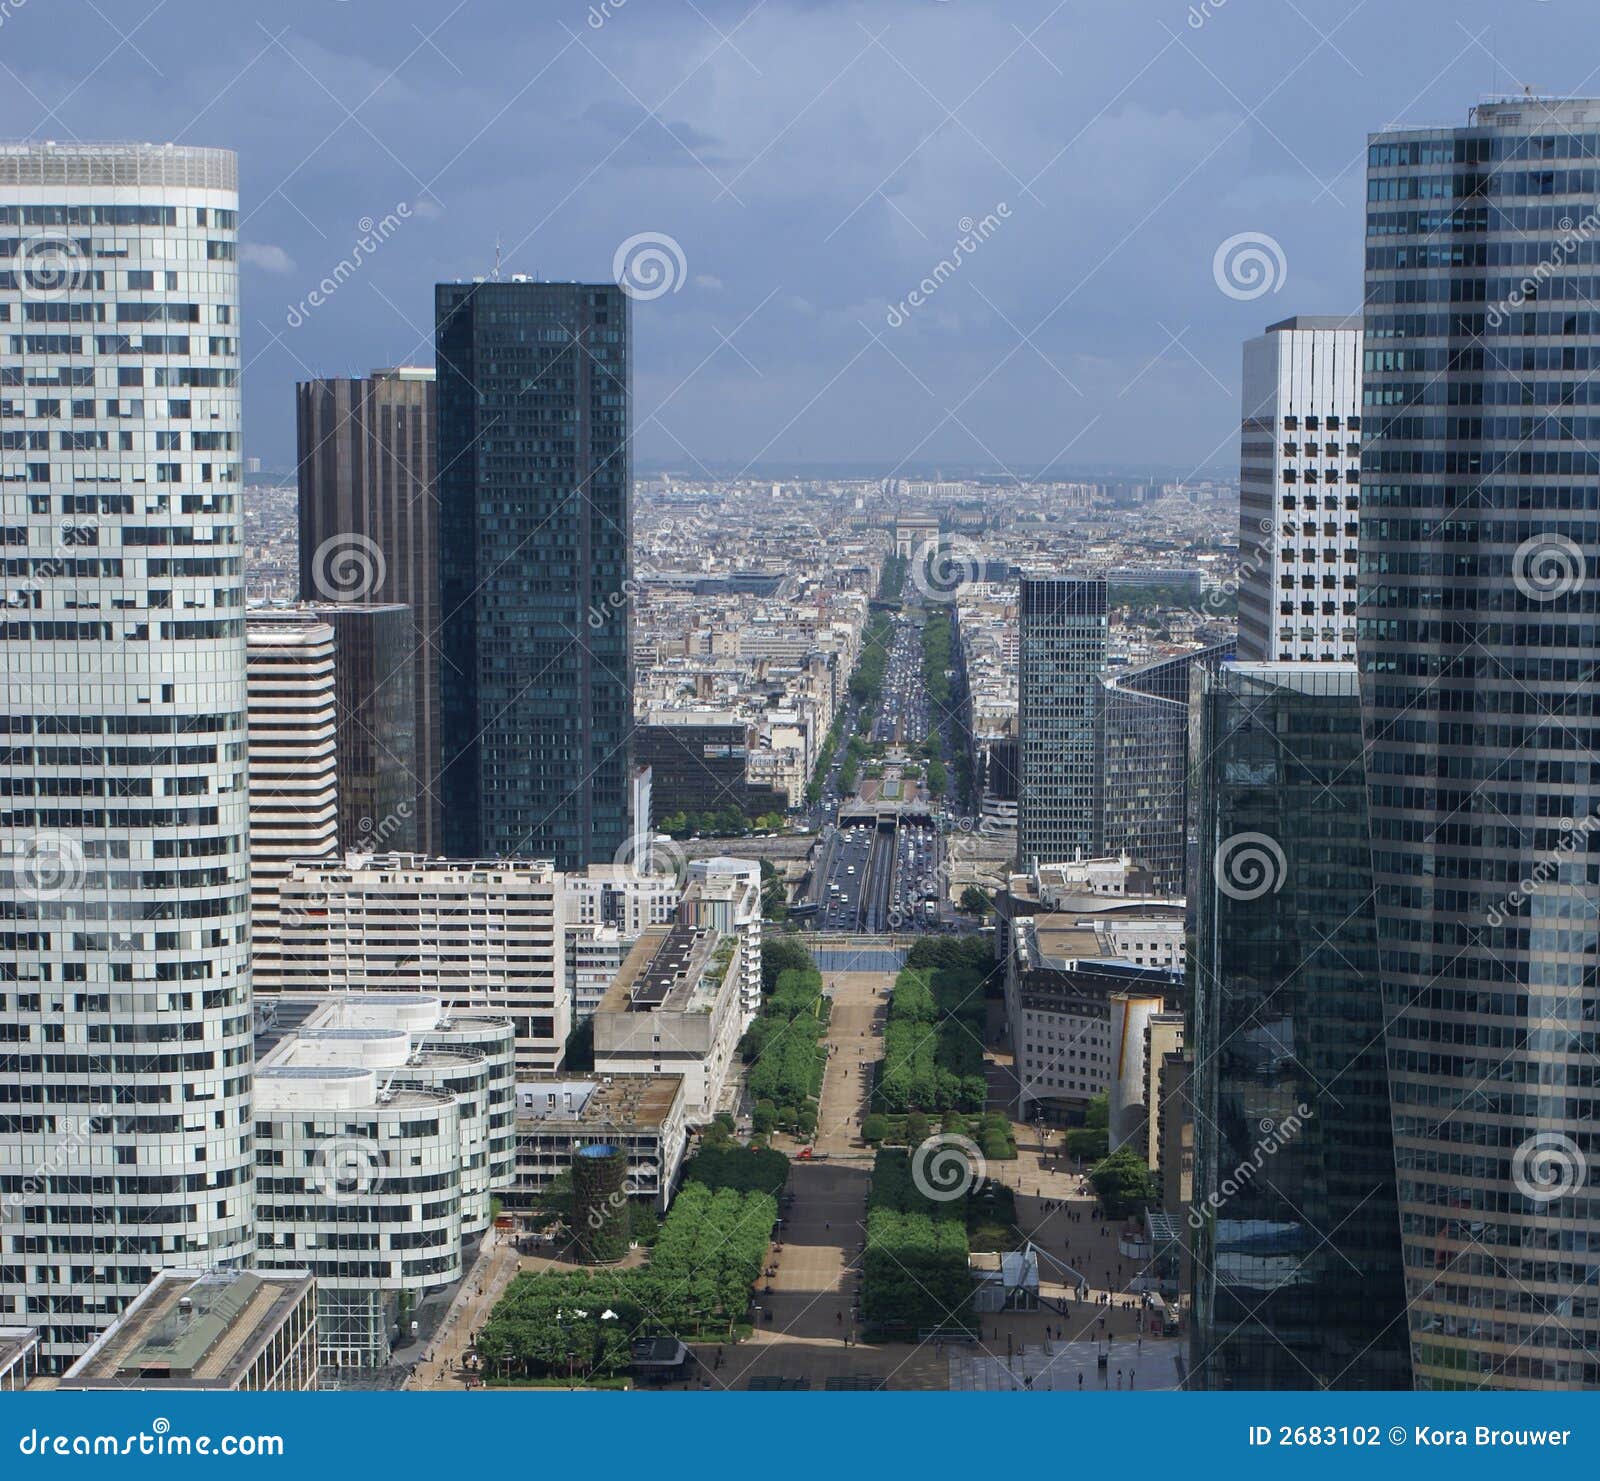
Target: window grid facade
point(1477, 641)
point(1299, 491)
point(124, 968)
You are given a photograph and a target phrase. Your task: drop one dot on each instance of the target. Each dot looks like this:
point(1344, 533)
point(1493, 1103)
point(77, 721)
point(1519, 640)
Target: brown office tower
point(368, 523)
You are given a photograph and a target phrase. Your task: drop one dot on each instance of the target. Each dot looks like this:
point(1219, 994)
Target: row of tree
point(933, 1042)
point(719, 822)
point(698, 1284)
point(915, 1271)
point(785, 1050)
point(991, 1131)
point(866, 683)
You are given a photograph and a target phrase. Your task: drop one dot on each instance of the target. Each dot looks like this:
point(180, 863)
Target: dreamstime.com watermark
point(1547, 566)
point(647, 853)
point(942, 569)
point(947, 1166)
point(60, 1158)
point(375, 832)
point(1572, 237)
point(1249, 265)
point(346, 1168)
point(72, 536)
point(157, 1440)
point(1547, 869)
point(348, 567)
point(1247, 866)
point(638, 1183)
point(1547, 1166)
point(1275, 1135)
point(373, 235)
point(973, 235)
point(1217, 596)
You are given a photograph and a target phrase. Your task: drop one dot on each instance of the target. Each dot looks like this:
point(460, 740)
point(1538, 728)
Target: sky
point(904, 236)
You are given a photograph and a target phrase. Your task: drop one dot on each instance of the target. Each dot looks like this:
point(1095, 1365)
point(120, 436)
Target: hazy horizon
point(1139, 190)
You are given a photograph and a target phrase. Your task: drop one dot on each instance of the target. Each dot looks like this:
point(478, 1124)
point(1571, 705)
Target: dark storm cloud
point(818, 166)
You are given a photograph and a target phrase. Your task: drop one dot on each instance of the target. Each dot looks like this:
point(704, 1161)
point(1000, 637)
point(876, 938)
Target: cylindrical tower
point(123, 835)
point(600, 1203)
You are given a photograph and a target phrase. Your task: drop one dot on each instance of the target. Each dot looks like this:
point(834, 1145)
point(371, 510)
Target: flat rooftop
point(628, 1100)
point(663, 972)
point(191, 1329)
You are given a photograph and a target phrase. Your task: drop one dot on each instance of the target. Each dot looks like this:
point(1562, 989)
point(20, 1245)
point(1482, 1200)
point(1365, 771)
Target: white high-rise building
point(606, 909)
point(1299, 491)
point(724, 895)
point(485, 935)
point(125, 1130)
point(294, 792)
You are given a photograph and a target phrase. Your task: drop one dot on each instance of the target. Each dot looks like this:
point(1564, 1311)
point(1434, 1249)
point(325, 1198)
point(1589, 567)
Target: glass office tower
point(1477, 640)
point(535, 561)
point(1061, 651)
point(369, 533)
point(125, 1034)
point(1297, 1273)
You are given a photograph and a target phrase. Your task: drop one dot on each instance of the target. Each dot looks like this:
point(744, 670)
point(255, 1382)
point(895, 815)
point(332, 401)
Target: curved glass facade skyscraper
point(1479, 643)
point(125, 1045)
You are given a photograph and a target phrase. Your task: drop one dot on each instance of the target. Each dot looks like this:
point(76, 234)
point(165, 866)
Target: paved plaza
point(1068, 1367)
point(806, 1337)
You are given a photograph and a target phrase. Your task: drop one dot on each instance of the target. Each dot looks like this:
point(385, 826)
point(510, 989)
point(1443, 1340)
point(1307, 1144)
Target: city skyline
point(1128, 145)
point(496, 915)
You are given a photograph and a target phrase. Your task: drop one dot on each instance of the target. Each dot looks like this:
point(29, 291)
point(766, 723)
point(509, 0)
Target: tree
point(975, 901)
point(779, 956)
point(1123, 1183)
point(875, 1128)
point(1098, 1113)
point(1086, 1142)
point(765, 1116)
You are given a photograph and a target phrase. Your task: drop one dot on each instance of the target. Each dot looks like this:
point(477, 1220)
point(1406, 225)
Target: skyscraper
point(1296, 1241)
point(535, 559)
point(381, 805)
point(1299, 481)
point(1144, 762)
point(372, 677)
point(369, 521)
point(125, 1135)
point(294, 788)
point(1062, 624)
point(1477, 643)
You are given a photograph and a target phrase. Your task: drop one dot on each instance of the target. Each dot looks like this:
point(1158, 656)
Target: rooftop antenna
point(497, 259)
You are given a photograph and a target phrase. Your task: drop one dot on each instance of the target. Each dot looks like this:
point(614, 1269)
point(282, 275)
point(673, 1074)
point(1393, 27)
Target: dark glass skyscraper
point(1297, 1272)
point(1477, 639)
point(1144, 762)
point(369, 533)
point(1062, 649)
point(535, 562)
